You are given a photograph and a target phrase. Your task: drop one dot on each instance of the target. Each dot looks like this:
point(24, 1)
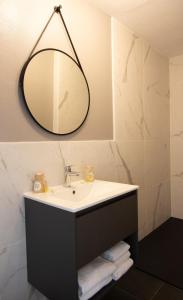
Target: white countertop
point(81, 194)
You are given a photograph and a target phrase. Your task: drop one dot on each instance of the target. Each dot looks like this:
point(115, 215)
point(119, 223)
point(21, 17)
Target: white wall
point(142, 123)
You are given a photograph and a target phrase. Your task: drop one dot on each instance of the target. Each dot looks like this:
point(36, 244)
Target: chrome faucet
point(68, 173)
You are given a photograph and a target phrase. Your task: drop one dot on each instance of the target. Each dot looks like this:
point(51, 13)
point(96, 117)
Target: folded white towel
point(93, 273)
point(122, 269)
point(96, 288)
point(116, 251)
point(122, 259)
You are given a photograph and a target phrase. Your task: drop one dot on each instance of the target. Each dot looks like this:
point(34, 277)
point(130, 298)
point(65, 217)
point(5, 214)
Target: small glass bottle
point(89, 174)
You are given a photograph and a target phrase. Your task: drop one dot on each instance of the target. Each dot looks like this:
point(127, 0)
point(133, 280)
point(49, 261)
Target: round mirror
point(56, 91)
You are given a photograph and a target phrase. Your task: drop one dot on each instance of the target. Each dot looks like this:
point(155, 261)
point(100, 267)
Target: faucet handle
point(68, 168)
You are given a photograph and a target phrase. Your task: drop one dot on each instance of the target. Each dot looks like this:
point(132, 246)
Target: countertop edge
point(35, 197)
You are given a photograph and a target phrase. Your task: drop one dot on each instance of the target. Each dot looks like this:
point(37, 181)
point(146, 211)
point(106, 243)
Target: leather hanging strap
point(57, 9)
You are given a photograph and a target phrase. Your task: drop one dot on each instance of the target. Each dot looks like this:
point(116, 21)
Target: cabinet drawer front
point(100, 229)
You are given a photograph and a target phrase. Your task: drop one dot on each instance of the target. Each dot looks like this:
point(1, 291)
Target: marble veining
point(61, 155)
point(152, 85)
point(63, 100)
point(125, 76)
point(31, 293)
point(159, 93)
point(146, 128)
point(141, 105)
point(3, 251)
point(35, 295)
point(125, 166)
point(178, 175)
point(8, 175)
point(147, 54)
point(139, 121)
point(3, 163)
point(143, 126)
point(157, 202)
point(10, 278)
point(178, 134)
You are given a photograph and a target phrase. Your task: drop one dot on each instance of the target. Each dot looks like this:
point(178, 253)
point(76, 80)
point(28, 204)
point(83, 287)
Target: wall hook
point(58, 8)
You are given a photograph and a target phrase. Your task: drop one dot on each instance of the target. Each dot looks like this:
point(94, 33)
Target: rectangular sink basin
point(81, 194)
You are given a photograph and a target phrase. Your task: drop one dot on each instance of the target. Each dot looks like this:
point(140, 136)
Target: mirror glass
point(56, 91)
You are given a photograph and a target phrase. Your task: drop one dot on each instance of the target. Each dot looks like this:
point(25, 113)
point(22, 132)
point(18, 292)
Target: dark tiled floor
point(137, 285)
point(118, 294)
point(164, 264)
point(167, 265)
point(169, 292)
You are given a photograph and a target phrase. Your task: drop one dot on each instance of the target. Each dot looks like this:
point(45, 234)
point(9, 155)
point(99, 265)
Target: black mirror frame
point(21, 84)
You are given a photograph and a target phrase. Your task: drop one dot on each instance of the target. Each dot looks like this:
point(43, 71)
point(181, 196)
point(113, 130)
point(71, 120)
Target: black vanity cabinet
point(59, 242)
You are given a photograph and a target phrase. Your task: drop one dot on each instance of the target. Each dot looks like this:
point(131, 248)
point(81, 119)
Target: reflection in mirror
point(56, 91)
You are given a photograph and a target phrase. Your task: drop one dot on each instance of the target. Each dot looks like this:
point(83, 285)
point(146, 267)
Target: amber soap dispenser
point(89, 174)
point(40, 183)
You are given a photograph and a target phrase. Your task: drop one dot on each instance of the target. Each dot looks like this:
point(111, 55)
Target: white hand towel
point(93, 273)
point(96, 288)
point(122, 269)
point(122, 259)
point(116, 251)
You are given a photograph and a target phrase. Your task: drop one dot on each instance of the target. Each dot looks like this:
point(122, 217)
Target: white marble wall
point(18, 163)
point(176, 94)
point(142, 123)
